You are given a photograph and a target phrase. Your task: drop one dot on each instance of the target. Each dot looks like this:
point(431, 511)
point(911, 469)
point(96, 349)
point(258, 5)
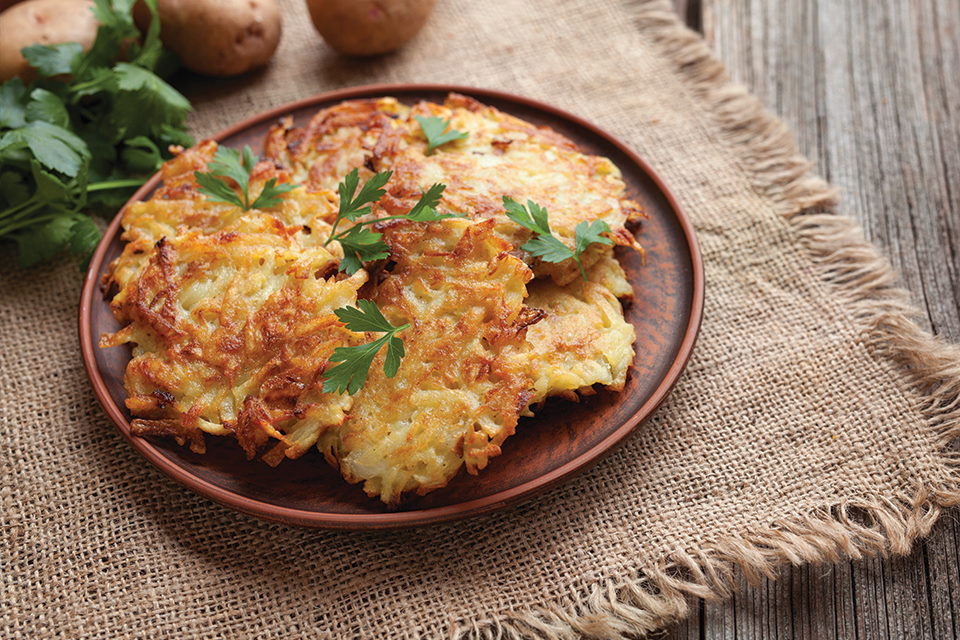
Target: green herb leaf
point(41, 242)
point(141, 155)
point(84, 236)
point(168, 135)
point(360, 245)
point(425, 209)
point(116, 33)
point(270, 195)
point(233, 164)
point(13, 113)
point(53, 59)
point(352, 207)
point(395, 353)
point(13, 189)
point(532, 217)
point(50, 188)
point(588, 233)
point(547, 246)
point(217, 190)
point(145, 98)
point(152, 49)
point(54, 147)
point(366, 316)
point(429, 199)
point(351, 374)
point(99, 80)
point(548, 249)
point(230, 164)
point(46, 106)
point(112, 119)
point(435, 130)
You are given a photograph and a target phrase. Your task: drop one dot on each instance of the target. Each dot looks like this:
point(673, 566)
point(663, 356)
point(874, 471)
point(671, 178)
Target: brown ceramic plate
point(562, 440)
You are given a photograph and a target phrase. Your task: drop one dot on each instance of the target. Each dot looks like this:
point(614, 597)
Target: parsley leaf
point(140, 99)
point(47, 107)
point(351, 374)
point(425, 209)
point(533, 216)
point(40, 242)
point(589, 233)
point(217, 190)
point(352, 207)
point(548, 249)
point(270, 194)
point(434, 127)
point(547, 246)
point(53, 59)
point(54, 147)
point(230, 164)
point(13, 189)
point(12, 111)
point(141, 154)
point(359, 243)
point(71, 144)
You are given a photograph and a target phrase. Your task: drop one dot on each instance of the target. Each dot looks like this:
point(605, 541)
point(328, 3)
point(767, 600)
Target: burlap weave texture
point(812, 421)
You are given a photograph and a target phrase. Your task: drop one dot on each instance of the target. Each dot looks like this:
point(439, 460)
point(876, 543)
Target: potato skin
point(368, 27)
point(42, 22)
point(218, 37)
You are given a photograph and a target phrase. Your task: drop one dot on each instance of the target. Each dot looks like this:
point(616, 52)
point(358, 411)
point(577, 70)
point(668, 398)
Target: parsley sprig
point(360, 243)
point(351, 374)
point(546, 245)
point(435, 129)
point(230, 164)
point(84, 133)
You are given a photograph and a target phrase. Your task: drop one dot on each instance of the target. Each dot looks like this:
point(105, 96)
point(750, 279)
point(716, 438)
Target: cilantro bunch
point(89, 129)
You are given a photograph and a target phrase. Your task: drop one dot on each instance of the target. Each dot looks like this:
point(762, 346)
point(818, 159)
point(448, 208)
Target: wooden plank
point(871, 88)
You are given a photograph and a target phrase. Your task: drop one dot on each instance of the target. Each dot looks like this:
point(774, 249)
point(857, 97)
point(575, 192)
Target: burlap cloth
point(813, 421)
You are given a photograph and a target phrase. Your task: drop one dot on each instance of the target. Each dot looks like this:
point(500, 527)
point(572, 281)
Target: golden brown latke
point(502, 156)
point(466, 376)
point(230, 312)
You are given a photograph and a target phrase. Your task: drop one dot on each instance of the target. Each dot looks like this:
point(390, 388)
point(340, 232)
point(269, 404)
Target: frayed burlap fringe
point(855, 270)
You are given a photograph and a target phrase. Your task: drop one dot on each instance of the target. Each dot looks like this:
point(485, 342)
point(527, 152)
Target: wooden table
point(871, 89)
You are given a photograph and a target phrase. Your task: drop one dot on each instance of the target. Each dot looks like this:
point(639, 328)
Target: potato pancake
point(335, 141)
point(230, 314)
point(466, 376)
point(583, 339)
point(234, 315)
point(178, 206)
point(501, 156)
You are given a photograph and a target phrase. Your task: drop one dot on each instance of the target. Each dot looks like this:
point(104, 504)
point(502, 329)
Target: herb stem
point(16, 211)
point(331, 237)
point(114, 184)
point(357, 224)
point(19, 224)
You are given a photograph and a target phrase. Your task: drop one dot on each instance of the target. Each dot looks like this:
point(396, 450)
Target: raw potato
point(368, 27)
point(218, 37)
point(42, 22)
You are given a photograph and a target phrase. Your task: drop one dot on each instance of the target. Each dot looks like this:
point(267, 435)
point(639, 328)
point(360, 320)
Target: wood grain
point(871, 89)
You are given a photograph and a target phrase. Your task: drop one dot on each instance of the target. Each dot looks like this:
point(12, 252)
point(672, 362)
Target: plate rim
point(418, 517)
